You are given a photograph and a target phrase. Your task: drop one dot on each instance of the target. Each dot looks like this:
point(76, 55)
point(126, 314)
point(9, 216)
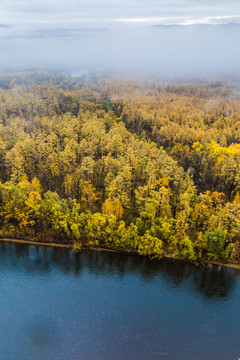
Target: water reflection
point(39, 333)
point(212, 282)
point(55, 304)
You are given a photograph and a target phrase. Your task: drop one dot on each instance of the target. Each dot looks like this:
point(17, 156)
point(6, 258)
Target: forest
point(140, 165)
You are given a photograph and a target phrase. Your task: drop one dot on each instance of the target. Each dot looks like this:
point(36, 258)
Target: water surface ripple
point(55, 304)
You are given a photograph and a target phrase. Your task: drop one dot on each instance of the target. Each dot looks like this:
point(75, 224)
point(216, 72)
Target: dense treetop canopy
point(140, 165)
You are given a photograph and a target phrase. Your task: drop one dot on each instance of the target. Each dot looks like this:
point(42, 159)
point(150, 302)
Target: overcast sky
point(120, 36)
point(113, 12)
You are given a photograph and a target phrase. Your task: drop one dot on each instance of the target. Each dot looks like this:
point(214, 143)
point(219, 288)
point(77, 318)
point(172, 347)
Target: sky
point(113, 12)
point(121, 34)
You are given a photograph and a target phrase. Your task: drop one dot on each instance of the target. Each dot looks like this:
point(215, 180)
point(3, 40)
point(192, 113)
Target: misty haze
point(191, 38)
point(166, 50)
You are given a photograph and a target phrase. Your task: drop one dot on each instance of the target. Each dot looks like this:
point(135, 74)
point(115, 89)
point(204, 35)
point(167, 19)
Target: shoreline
point(32, 242)
point(234, 266)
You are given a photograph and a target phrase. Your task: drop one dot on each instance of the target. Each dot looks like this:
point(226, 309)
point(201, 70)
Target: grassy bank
point(231, 265)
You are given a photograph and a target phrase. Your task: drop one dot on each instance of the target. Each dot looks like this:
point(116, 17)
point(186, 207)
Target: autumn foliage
point(137, 165)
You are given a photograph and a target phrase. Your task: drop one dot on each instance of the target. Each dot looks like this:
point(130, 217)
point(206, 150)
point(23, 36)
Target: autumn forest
point(138, 165)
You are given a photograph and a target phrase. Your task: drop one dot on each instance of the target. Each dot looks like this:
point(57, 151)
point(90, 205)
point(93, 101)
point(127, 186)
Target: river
point(55, 304)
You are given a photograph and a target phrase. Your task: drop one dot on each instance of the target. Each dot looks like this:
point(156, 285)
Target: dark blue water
point(105, 306)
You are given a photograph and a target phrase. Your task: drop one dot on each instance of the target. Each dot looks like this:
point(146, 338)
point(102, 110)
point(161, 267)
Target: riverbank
point(54, 244)
point(37, 243)
point(232, 265)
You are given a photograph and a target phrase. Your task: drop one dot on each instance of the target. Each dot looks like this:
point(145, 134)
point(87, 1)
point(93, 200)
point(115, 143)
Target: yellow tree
point(87, 195)
point(113, 207)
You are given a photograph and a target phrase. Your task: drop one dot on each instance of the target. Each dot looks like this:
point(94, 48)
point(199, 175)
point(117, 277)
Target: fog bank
point(165, 50)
